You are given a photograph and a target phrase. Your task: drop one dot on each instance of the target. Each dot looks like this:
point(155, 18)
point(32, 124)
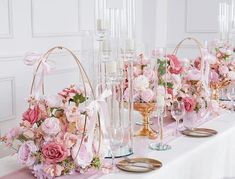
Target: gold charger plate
point(139, 165)
point(199, 132)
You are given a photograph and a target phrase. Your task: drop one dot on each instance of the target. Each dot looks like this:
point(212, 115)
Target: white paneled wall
point(36, 25)
point(196, 18)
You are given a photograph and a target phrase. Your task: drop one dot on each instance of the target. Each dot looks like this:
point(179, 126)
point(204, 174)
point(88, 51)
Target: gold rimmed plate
point(139, 165)
point(199, 132)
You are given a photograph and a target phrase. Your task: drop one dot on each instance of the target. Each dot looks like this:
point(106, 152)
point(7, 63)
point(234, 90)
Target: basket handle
point(81, 69)
point(83, 74)
point(199, 45)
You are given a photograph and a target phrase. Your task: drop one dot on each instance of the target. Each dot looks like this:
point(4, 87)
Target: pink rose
point(25, 153)
point(150, 74)
point(194, 75)
point(53, 170)
point(189, 104)
point(54, 152)
point(83, 157)
point(175, 65)
point(197, 63)
point(147, 95)
point(32, 115)
point(214, 76)
point(51, 126)
point(170, 91)
point(223, 70)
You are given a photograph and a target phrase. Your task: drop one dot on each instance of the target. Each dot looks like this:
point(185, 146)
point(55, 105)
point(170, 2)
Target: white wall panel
point(5, 19)
point(55, 17)
point(7, 98)
point(201, 16)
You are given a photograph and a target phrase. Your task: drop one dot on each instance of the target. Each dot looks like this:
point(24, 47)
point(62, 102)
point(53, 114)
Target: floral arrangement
point(52, 137)
point(223, 69)
point(148, 78)
point(192, 93)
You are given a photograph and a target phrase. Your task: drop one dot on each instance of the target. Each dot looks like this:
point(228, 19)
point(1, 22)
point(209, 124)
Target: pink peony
point(32, 115)
point(81, 157)
point(53, 170)
point(25, 153)
point(194, 75)
point(51, 126)
point(214, 76)
point(54, 152)
point(189, 104)
point(175, 65)
point(147, 95)
point(223, 70)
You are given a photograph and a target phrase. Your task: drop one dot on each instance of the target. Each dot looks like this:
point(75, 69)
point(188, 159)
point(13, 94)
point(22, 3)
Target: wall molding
point(19, 57)
point(193, 30)
point(13, 101)
point(45, 35)
point(9, 35)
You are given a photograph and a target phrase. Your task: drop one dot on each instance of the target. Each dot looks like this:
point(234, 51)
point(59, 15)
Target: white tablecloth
point(189, 158)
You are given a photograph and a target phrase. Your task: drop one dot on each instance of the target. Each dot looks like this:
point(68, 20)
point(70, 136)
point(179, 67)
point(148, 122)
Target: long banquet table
point(189, 158)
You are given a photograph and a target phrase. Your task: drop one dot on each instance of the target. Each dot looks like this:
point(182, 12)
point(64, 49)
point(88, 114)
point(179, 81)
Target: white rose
point(141, 82)
point(51, 126)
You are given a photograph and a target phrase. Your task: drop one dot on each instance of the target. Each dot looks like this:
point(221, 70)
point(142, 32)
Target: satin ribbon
point(99, 106)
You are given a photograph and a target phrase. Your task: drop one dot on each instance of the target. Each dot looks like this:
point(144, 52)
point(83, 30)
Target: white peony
point(141, 82)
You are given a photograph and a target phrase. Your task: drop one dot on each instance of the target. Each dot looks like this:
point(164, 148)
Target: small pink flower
point(25, 153)
point(214, 76)
point(189, 104)
point(13, 133)
point(147, 95)
point(53, 170)
point(51, 126)
point(54, 152)
point(32, 115)
point(197, 63)
point(223, 70)
point(175, 65)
